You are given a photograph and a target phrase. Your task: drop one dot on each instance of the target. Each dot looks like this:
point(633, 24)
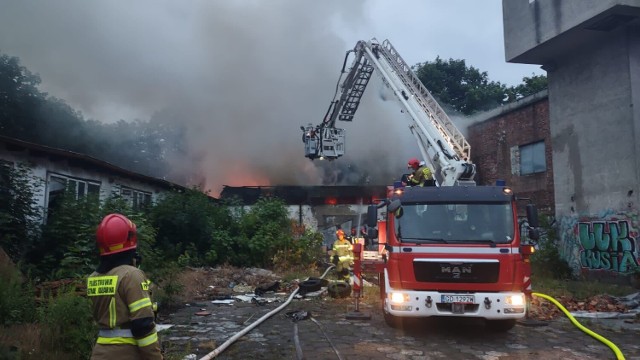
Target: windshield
point(455, 223)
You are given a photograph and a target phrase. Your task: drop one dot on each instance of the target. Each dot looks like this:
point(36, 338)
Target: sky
point(242, 76)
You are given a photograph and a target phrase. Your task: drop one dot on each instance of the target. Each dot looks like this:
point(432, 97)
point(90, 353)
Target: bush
point(68, 325)
point(303, 251)
point(546, 261)
point(168, 286)
point(16, 297)
point(20, 217)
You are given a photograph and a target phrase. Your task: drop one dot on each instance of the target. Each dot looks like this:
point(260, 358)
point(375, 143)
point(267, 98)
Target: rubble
point(542, 309)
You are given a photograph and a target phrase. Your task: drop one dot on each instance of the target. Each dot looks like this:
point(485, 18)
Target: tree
point(462, 87)
point(189, 225)
point(19, 99)
point(531, 85)
point(19, 213)
point(469, 90)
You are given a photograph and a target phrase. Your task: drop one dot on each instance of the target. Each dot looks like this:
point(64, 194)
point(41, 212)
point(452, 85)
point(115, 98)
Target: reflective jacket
point(343, 249)
point(123, 310)
point(421, 175)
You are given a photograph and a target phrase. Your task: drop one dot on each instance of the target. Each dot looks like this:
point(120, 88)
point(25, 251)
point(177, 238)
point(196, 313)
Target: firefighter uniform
point(120, 297)
point(421, 173)
point(343, 255)
point(420, 176)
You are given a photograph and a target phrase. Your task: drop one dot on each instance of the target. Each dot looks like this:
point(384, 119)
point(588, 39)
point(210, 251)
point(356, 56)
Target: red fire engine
point(453, 249)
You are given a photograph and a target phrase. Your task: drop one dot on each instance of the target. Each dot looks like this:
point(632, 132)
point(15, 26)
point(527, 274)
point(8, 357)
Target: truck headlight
point(517, 300)
point(398, 298)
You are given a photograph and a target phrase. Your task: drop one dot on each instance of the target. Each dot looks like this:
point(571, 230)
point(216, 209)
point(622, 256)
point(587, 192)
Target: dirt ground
point(202, 327)
point(217, 283)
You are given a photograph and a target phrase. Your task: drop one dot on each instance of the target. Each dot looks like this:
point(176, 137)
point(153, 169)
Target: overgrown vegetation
point(67, 325)
point(546, 262)
point(183, 229)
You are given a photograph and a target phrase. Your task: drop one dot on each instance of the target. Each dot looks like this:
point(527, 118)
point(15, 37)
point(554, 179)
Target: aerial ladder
point(441, 144)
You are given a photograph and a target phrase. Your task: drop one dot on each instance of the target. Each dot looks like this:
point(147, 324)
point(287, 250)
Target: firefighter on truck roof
point(119, 293)
point(421, 172)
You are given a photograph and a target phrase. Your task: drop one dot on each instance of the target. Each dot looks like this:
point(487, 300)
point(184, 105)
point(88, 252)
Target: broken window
point(138, 199)
point(57, 185)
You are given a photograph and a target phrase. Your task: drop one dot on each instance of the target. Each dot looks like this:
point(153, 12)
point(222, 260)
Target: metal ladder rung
point(356, 92)
point(439, 118)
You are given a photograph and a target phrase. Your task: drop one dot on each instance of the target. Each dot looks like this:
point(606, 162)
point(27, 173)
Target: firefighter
point(342, 255)
point(119, 293)
point(421, 173)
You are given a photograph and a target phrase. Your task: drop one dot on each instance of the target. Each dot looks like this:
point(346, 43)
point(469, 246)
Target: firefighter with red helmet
point(342, 255)
point(420, 173)
point(119, 293)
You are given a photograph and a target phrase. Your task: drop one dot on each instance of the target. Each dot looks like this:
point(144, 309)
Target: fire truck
point(452, 249)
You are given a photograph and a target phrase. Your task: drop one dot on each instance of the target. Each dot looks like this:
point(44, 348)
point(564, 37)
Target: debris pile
point(224, 282)
point(542, 309)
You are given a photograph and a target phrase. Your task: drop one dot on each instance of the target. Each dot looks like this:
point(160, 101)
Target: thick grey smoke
point(239, 76)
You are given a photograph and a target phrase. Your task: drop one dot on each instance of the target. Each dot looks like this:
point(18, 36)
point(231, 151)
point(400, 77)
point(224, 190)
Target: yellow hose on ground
point(575, 322)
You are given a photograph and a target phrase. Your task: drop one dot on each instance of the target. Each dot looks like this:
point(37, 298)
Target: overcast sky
point(244, 75)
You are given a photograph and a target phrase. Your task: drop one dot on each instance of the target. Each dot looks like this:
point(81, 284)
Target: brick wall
point(494, 140)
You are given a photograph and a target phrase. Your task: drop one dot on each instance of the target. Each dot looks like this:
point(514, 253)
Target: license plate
point(465, 299)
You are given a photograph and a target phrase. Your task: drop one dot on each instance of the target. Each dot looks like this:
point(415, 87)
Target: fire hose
point(241, 333)
point(575, 322)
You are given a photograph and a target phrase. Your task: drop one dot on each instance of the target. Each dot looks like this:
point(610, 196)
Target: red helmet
point(413, 163)
point(340, 232)
point(116, 233)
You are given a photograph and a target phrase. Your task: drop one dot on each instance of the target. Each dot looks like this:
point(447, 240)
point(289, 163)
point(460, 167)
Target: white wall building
point(55, 169)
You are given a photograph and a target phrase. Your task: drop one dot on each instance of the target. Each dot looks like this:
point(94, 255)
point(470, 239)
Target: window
point(136, 198)
point(451, 223)
point(532, 159)
point(57, 184)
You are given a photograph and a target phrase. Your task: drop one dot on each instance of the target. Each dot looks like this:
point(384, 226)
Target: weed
point(169, 286)
point(67, 325)
point(578, 289)
point(16, 297)
point(546, 262)
point(20, 341)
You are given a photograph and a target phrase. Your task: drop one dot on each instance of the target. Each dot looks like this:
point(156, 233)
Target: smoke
point(237, 77)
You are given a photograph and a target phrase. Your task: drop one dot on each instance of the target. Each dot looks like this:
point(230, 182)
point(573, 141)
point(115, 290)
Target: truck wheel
point(393, 321)
point(500, 325)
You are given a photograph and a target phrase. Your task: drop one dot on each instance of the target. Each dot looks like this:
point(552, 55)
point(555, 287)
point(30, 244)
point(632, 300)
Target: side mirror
point(396, 208)
point(532, 216)
point(394, 205)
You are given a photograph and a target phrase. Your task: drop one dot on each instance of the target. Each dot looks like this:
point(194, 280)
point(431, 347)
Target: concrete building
point(591, 52)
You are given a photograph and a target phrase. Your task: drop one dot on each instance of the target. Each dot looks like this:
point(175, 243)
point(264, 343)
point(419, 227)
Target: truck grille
point(456, 272)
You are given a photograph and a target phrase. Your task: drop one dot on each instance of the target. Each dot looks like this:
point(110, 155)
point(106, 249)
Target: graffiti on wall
point(606, 242)
point(607, 245)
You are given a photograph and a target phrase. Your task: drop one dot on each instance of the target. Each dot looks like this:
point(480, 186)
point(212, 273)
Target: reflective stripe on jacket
point(343, 250)
point(119, 297)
